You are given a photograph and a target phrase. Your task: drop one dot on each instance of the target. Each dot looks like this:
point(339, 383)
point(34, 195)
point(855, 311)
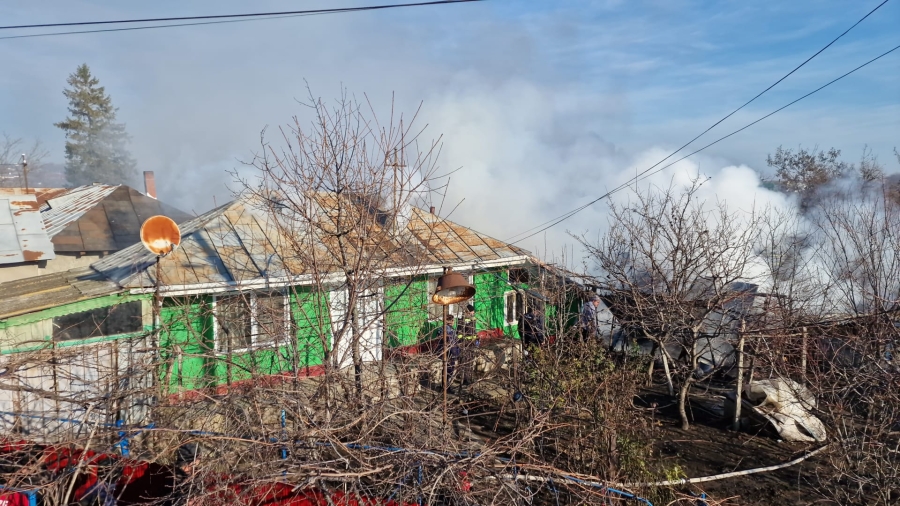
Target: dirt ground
point(710, 448)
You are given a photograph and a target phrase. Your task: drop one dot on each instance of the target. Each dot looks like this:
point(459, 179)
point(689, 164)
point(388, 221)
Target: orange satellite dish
point(160, 235)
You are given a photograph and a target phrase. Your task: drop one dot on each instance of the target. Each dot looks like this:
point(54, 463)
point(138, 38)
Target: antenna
point(160, 235)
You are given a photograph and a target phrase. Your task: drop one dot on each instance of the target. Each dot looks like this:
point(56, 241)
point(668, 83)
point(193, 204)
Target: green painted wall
point(490, 288)
point(406, 306)
point(186, 342)
point(34, 331)
point(406, 312)
point(189, 360)
point(309, 310)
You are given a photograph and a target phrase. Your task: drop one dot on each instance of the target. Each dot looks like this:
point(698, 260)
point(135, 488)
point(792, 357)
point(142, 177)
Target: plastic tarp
point(787, 406)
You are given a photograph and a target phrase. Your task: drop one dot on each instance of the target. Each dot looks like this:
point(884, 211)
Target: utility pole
point(24, 164)
point(395, 189)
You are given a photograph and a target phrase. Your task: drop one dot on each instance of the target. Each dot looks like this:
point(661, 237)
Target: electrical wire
point(224, 18)
point(645, 175)
point(701, 134)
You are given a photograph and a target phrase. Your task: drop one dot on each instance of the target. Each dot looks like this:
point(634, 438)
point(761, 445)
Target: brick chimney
point(149, 184)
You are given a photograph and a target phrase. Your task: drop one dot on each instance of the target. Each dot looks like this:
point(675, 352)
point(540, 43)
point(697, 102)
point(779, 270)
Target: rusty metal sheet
point(196, 261)
point(229, 246)
point(22, 234)
point(129, 267)
point(70, 206)
point(44, 194)
point(255, 231)
point(118, 227)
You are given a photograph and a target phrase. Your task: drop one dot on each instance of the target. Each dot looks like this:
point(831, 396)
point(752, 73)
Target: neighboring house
point(236, 304)
point(48, 230)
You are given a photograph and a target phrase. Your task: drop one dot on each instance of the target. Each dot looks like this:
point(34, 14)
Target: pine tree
point(95, 143)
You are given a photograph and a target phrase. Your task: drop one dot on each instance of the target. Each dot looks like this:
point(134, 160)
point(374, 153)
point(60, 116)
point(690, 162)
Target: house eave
point(329, 279)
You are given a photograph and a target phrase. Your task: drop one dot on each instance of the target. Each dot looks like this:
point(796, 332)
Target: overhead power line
point(571, 213)
point(645, 175)
point(210, 19)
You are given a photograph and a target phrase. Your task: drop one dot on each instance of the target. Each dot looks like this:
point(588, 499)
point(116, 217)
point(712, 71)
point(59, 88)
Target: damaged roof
point(22, 234)
point(244, 240)
point(101, 217)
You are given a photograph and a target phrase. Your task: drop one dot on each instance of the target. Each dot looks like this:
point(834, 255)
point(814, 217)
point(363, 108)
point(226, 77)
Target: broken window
point(519, 276)
point(104, 321)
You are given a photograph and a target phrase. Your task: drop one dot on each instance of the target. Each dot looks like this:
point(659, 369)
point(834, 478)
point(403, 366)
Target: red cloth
point(13, 499)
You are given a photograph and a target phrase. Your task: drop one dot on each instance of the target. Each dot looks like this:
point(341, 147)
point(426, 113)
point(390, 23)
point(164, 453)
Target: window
point(436, 311)
point(244, 322)
point(272, 317)
point(104, 321)
point(519, 276)
point(513, 307)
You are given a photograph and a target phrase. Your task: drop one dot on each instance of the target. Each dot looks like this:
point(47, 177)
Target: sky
point(540, 106)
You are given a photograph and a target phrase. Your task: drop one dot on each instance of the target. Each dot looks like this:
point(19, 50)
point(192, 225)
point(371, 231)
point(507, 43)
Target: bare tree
point(12, 151)
point(857, 369)
point(671, 263)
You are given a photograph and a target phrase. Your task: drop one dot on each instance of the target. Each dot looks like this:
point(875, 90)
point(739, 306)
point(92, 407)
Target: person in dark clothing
point(532, 330)
point(186, 457)
point(588, 320)
point(466, 326)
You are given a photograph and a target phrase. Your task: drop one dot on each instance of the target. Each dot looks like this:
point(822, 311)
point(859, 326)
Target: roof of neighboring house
point(51, 290)
point(22, 234)
point(240, 241)
point(101, 217)
point(45, 194)
point(61, 210)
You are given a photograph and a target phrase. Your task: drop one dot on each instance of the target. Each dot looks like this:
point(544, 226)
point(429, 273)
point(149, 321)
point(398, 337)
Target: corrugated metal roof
point(22, 234)
point(45, 194)
point(102, 218)
point(51, 290)
point(63, 209)
point(239, 242)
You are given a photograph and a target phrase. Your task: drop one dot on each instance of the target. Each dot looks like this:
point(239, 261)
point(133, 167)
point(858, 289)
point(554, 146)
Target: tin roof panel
point(66, 208)
point(239, 242)
point(22, 234)
point(43, 292)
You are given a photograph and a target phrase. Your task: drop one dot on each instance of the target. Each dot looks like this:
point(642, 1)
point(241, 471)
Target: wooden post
point(736, 422)
point(803, 354)
point(665, 360)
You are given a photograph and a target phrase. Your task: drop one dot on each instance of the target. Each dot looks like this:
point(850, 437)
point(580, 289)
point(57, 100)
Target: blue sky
point(542, 105)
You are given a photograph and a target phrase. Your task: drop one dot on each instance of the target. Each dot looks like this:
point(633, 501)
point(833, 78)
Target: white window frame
point(255, 338)
point(452, 309)
point(506, 297)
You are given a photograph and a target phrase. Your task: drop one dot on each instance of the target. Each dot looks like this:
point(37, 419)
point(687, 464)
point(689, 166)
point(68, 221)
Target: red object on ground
point(13, 499)
point(147, 482)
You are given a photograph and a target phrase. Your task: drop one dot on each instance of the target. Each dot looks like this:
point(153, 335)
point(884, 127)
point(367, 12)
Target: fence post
point(736, 422)
point(803, 354)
